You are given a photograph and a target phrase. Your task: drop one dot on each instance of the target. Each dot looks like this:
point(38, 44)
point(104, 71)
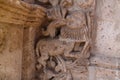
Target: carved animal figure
point(52, 47)
point(47, 48)
point(58, 14)
point(76, 31)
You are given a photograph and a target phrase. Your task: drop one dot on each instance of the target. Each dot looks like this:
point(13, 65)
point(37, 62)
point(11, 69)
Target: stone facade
point(107, 46)
point(59, 40)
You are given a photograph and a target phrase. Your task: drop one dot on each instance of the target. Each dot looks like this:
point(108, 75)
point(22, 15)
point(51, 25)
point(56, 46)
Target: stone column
point(106, 52)
point(11, 52)
point(28, 57)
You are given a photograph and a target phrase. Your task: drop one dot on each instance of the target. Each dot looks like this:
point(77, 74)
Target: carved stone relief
point(52, 40)
point(65, 47)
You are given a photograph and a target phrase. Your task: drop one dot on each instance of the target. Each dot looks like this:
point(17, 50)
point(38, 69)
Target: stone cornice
point(17, 12)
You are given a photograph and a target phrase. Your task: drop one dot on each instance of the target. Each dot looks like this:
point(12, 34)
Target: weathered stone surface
point(3, 33)
point(17, 44)
point(108, 28)
point(28, 57)
point(21, 13)
point(105, 61)
point(62, 52)
point(10, 59)
point(29, 1)
point(81, 76)
point(14, 16)
point(106, 51)
point(105, 74)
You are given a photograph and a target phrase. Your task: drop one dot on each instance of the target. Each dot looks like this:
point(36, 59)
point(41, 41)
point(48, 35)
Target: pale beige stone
point(105, 61)
point(107, 74)
point(20, 32)
point(108, 28)
point(101, 73)
point(11, 56)
point(14, 16)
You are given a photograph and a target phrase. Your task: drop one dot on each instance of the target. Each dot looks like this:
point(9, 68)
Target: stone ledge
point(98, 73)
point(105, 61)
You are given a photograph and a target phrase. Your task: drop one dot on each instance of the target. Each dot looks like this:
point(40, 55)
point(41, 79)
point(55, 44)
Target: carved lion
point(52, 47)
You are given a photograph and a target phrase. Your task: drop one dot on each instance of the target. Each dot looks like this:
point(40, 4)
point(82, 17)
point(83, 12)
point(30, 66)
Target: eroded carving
point(56, 15)
point(65, 51)
point(53, 54)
